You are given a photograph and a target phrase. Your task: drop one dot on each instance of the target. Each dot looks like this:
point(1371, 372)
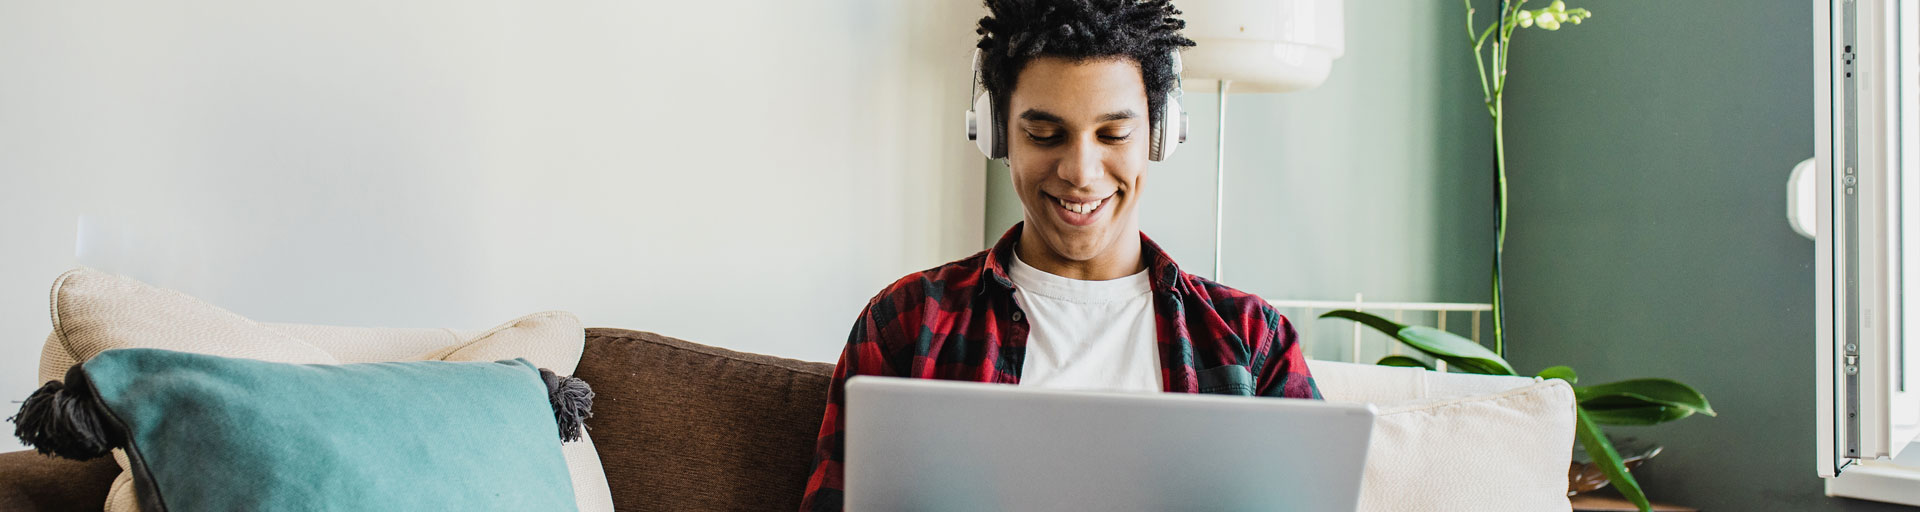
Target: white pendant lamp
point(1263, 45)
point(1257, 46)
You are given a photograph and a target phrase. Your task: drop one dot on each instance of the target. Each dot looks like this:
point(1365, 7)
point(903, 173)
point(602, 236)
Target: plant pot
point(1585, 476)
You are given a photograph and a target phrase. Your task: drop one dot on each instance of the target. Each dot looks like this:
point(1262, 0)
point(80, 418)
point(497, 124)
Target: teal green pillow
point(215, 433)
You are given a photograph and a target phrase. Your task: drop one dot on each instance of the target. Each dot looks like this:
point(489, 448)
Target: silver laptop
point(916, 444)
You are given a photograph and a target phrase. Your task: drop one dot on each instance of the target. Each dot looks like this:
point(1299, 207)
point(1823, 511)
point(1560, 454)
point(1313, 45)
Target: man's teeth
point(1081, 208)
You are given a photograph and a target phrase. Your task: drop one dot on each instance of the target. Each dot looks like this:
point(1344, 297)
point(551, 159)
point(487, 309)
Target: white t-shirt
point(1087, 334)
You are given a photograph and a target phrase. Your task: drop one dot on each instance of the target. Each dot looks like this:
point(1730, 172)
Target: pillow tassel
point(66, 420)
point(572, 401)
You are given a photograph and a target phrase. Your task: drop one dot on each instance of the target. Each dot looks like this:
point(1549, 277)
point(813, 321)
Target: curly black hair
point(1016, 31)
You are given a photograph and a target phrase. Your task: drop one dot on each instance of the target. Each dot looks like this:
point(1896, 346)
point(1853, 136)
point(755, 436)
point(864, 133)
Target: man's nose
point(1082, 166)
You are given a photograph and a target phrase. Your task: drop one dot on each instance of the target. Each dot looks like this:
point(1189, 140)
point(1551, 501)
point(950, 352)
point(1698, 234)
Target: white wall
point(743, 174)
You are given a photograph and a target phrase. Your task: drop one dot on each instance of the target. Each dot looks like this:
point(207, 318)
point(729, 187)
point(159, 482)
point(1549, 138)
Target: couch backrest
point(684, 426)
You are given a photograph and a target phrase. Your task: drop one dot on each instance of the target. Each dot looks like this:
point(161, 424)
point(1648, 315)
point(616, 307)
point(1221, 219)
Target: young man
point(1076, 296)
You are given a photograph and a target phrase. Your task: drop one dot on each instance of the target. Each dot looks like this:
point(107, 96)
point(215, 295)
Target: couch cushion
point(1508, 450)
point(1455, 441)
point(216, 433)
point(1458, 447)
point(95, 311)
point(549, 340)
point(684, 426)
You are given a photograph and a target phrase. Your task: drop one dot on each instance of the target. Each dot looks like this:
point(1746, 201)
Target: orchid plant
point(1630, 402)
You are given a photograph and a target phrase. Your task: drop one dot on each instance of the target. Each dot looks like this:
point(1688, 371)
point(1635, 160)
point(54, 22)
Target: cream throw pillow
point(95, 311)
point(1502, 451)
point(1455, 441)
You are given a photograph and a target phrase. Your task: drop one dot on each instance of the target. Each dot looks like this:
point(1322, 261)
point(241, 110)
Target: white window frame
point(1866, 415)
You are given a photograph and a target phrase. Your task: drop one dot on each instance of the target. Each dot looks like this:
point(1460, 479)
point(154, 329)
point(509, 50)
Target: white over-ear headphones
point(1169, 129)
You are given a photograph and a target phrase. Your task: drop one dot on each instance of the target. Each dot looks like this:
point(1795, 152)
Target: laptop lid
point(919, 444)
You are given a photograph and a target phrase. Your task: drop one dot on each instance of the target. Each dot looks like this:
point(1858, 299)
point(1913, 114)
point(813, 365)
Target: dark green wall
point(1649, 154)
point(1650, 149)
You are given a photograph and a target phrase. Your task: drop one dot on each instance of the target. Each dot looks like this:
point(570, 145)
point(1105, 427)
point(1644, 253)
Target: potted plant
point(1646, 401)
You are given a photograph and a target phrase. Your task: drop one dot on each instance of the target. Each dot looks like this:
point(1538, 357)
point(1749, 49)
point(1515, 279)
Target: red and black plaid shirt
point(959, 321)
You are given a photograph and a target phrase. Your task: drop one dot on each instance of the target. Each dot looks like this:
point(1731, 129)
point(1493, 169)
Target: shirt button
point(1017, 316)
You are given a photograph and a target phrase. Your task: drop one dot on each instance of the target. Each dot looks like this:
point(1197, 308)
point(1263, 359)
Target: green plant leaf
point(1559, 372)
point(1379, 324)
point(1636, 416)
point(1403, 361)
point(1603, 454)
point(1456, 350)
point(1643, 392)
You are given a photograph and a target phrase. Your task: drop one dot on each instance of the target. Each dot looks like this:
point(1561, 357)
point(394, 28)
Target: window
point(1868, 246)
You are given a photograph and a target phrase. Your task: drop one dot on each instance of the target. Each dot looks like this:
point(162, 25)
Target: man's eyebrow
point(1116, 116)
point(1048, 117)
point(1041, 116)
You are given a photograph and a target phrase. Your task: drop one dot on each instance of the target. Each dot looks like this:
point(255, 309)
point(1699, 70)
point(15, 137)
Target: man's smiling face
point(1077, 146)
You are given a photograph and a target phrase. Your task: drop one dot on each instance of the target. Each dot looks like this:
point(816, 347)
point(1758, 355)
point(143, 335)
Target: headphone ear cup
point(1168, 131)
point(1156, 144)
point(999, 132)
point(984, 127)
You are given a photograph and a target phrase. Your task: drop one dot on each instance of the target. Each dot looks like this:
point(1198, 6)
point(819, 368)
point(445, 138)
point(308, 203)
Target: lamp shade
point(1263, 45)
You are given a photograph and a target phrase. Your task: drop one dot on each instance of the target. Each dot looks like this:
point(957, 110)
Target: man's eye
point(1047, 140)
point(1115, 138)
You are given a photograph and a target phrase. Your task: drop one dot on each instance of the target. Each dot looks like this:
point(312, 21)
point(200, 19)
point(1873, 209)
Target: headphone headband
point(1167, 130)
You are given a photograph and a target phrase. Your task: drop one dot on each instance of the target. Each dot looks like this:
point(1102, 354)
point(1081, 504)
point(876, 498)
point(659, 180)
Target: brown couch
point(679, 426)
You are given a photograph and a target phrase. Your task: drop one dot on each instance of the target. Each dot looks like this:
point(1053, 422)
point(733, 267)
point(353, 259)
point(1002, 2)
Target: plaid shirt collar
point(1161, 269)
